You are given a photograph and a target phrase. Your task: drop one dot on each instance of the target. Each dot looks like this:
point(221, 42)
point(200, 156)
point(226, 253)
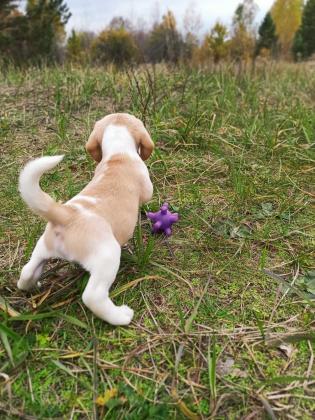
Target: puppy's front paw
point(25, 281)
point(29, 277)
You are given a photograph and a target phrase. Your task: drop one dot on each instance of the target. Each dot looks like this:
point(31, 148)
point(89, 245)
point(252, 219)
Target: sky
point(94, 15)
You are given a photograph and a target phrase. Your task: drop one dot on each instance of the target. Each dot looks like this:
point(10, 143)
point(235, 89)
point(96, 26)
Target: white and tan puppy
point(91, 227)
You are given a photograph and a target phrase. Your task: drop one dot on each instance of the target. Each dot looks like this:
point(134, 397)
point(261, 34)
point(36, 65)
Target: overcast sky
point(94, 15)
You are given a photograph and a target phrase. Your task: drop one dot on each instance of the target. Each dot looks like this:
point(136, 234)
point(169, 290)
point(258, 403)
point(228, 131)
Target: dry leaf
point(239, 373)
point(183, 407)
point(225, 367)
point(287, 349)
point(5, 307)
point(102, 400)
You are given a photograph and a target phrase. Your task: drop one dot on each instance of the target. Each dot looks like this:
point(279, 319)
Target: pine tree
point(6, 8)
point(267, 35)
point(298, 46)
point(46, 22)
point(304, 40)
point(12, 28)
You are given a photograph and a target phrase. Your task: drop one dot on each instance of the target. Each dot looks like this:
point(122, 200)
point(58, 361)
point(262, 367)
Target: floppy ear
point(146, 145)
point(93, 145)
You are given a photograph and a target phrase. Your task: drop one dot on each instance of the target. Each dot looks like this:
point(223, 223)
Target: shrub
point(115, 46)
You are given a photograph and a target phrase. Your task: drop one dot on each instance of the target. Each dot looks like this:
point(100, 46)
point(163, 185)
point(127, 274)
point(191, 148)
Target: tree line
point(35, 35)
point(38, 35)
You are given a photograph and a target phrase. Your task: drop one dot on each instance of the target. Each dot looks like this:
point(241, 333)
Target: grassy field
point(224, 317)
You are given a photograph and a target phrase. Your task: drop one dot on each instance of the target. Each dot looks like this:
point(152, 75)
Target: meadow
point(224, 309)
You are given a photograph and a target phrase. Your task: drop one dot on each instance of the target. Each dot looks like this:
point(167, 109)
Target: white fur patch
point(33, 269)
point(98, 177)
point(76, 206)
point(118, 140)
point(29, 182)
point(83, 210)
point(82, 197)
point(103, 266)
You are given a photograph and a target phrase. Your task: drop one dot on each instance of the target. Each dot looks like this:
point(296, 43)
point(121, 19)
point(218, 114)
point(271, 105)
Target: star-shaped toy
point(162, 220)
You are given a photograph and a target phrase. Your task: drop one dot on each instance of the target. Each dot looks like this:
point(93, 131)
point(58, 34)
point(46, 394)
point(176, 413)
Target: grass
point(224, 317)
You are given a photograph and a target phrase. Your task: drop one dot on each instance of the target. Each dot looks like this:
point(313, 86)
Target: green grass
point(235, 156)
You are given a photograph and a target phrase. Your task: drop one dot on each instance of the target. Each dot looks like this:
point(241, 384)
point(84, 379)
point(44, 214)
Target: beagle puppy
point(91, 227)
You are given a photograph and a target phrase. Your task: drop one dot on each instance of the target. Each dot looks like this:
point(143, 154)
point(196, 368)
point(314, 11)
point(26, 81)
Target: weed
point(143, 247)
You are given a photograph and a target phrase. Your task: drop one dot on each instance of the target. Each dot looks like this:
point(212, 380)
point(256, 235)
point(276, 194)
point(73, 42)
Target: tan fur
point(57, 213)
point(135, 128)
point(118, 188)
point(91, 227)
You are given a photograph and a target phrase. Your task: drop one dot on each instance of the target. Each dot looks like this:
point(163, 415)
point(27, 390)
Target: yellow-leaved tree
point(243, 35)
point(287, 16)
point(215, 45)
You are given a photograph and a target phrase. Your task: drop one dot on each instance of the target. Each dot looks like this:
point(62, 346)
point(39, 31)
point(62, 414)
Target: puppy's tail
point(40, 202)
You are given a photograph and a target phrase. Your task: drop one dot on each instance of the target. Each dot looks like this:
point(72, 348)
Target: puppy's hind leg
point(103, 266)
point(33, 269)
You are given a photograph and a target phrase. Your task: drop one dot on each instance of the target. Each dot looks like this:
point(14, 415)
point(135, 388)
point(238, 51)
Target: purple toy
point(163, 220)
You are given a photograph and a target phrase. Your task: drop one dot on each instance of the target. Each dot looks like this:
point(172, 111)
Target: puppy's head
point(142, 139)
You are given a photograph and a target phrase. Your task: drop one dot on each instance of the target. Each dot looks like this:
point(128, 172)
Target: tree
point(7, 7)
point(304, 40)
point(189, 46)
point(287, 15)
point(192, 21)
point(140, 37)
point(78, 49)
point(298, 46)
point(165, 42)
point(119, 22)
point(245, 14)
point(46, 23)
point(192, 25)
point(115, 46)
point(267, 35)
point(243, 39)
point(12, 27)
point(35, 35)
point(216, 44)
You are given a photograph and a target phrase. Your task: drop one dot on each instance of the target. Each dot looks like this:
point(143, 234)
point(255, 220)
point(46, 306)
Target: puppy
point(91, 227)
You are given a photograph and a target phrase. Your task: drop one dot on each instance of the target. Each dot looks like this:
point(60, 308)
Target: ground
point(224, 317)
